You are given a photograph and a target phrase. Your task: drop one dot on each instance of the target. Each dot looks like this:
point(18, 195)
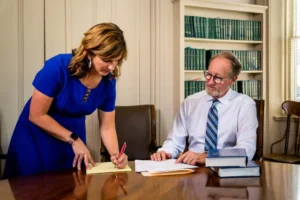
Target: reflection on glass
point(113, 184)
point(81, 182)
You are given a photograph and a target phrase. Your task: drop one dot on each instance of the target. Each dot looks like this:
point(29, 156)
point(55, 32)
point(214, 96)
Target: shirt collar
point(224, 100)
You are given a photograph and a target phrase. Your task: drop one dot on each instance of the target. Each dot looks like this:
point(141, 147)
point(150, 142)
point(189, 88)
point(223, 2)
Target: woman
point(50, 133)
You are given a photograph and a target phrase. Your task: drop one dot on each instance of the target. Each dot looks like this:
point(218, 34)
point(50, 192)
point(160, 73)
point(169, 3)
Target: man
point(215, 118)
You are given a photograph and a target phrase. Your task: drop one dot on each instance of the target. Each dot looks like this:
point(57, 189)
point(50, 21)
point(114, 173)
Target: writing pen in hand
point(122, 149)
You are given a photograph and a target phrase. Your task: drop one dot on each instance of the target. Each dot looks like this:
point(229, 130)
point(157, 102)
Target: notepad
point(106, 167)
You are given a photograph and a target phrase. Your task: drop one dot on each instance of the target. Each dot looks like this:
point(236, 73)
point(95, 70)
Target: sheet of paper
point(160, 166)
point(105, 167)
point(176, 172)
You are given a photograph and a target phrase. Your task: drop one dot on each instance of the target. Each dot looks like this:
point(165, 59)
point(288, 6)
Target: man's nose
point(210, 81)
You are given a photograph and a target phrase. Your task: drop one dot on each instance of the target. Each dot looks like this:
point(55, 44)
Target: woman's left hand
point(119, 161)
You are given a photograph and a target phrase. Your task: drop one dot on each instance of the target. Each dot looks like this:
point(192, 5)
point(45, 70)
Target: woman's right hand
point(81, 153)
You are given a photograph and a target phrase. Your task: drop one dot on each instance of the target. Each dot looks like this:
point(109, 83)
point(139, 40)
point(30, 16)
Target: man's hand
point(192, 158)
point(160, 155)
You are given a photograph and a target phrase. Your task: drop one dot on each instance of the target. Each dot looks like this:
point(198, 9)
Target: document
point(161, 166)
point(106, 167)
point(168, 173)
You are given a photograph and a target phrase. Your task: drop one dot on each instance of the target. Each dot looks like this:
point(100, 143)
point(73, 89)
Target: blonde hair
point(105, 40)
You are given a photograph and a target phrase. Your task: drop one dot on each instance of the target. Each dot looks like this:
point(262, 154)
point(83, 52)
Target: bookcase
point(203, 29)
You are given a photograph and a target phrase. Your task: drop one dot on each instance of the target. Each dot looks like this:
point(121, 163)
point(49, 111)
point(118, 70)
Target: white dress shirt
point(236, 129)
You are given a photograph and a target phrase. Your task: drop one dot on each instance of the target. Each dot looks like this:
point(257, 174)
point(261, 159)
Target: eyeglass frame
point(214, 77)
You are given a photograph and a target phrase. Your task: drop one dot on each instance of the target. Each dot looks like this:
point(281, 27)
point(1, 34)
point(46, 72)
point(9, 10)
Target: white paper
point(160, 166)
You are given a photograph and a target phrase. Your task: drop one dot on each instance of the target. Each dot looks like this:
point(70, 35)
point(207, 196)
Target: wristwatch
point(73, 137)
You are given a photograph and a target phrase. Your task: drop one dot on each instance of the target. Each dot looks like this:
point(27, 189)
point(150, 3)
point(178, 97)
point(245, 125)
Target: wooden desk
point(278, 181)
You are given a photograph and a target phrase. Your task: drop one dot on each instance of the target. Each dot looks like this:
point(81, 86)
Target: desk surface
point(278, 181)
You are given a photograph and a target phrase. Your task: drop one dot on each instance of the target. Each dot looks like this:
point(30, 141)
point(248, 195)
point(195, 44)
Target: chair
point(136, 126)
point(290, 108)
point(260, 107)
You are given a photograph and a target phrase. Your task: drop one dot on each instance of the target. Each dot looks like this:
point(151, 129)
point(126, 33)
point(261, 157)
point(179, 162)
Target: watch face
point(74, 136)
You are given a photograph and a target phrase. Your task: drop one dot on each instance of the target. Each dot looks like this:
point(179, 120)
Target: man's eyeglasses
point(216, 78)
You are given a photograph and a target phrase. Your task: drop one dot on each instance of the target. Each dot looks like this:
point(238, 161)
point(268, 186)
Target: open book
point(162, 168)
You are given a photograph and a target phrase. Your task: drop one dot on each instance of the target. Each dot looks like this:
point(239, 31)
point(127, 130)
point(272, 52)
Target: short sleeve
point(50, 78)
point(109, 103)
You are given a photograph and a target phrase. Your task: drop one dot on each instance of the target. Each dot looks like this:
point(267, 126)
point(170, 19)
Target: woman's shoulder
point(62, 59)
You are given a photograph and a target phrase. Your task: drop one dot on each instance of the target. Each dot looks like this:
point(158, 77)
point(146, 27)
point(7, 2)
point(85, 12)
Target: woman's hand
point(112, 185)
point(81, 153)
point(81, 183)
point(119, 161)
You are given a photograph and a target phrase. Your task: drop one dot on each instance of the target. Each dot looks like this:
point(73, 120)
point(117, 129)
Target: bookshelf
point(245, 36)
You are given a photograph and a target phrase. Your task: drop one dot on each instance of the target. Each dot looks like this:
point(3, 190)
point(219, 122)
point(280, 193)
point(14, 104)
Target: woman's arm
point(108, 131)
point(39, 107)
point(109, 138)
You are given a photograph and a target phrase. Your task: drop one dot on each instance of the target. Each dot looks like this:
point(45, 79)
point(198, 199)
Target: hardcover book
point(251, 170)
point(226, 158)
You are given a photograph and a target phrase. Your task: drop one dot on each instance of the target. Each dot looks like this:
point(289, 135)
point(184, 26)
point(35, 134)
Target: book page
point(105, 167)
point(160, 166)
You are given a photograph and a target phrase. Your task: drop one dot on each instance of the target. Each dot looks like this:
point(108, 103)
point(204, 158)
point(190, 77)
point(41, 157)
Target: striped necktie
point(211, 137)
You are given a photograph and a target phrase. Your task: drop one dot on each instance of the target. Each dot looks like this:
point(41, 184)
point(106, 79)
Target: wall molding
point(20, 75)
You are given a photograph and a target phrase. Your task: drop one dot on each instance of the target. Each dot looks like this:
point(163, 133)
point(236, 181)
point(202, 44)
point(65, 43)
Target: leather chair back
point(136, 126)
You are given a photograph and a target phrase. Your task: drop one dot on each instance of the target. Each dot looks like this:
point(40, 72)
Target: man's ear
point(234, 79)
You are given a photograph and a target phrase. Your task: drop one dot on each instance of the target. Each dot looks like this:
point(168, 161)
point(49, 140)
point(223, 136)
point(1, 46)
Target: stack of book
point(231, 163)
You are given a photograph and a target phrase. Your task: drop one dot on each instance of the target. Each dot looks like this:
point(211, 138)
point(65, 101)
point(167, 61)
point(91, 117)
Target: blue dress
point(31, 149)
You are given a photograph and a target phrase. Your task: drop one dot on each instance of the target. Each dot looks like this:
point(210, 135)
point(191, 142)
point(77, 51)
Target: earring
point(90, 63)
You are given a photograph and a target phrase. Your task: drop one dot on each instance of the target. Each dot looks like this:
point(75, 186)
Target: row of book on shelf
point(217, 28)
point(251, 88)
point(198, 59)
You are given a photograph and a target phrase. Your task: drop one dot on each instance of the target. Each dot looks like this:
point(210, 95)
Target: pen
point(123, 149)
point(122, 186)
point(124, 190)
